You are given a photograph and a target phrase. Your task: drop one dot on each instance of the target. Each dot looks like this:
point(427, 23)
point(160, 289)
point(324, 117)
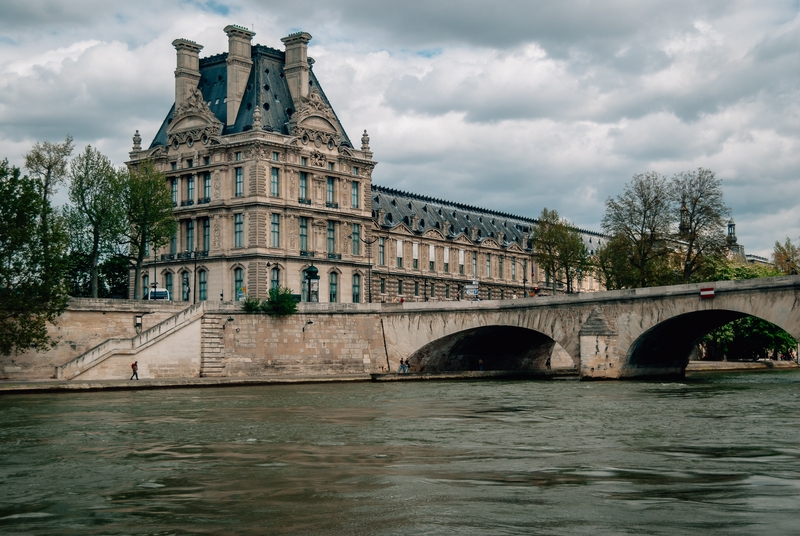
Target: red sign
point(706, 293)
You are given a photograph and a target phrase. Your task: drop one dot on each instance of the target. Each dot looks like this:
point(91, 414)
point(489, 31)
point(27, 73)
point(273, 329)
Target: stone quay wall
point(85, 324)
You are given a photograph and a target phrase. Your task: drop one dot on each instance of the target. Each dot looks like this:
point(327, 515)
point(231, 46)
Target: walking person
point(135, 369)
point(406, 366)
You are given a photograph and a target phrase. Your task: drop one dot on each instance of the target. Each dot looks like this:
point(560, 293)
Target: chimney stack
point(296, 67)
point(239, 63)
point(187, 73)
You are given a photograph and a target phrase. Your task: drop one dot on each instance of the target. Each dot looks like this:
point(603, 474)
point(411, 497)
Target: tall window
point(431, 257)
point(400, 254)
point(355, 171)
point(190, 235)
point(238, 156)
point(275, 278)
point(145, 285)
point(400, 288)
point(168, 284)
point(238, 230)
point(333, 287)
point(382, 251)
point(239, 182)
point(433, 289)
point(356, 239)
point(303, 185)
point(202, 283)
point(185, 287)
point(173, 244)
point(475, 263)
point(416, 288)
point(500, 267)
point(356, 288)
point(303, 234)
point(207, 186)
point(447, 291)
point(206, 234)
point(275, 182)
point(461, 261)
point(238, 283)
point(383, 285)
point(514, 269)
point(447, 259)
point(174, 191)
point(415, 255)
point(331, 237)
point(275, 156)
point(190, 189)
point(488, 265)
point(276, 230)
point(354, 194)
point(303, 161)
point(329, 192)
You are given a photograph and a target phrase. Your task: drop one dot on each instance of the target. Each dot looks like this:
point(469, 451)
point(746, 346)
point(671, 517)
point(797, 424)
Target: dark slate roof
point(266, 87)
point(453, 219)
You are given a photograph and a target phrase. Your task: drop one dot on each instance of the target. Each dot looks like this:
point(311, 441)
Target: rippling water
point(717, 455)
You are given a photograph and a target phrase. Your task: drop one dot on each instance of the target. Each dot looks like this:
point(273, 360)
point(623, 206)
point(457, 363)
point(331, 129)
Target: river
point(717, 454)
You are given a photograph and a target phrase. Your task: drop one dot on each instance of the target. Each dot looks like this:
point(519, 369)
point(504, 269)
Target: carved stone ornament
point(193, 122)
point(315, 122)
point(318, 159)
point(257, 151)
point(257, 119)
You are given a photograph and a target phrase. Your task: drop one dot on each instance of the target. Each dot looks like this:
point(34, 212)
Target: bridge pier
point(598, 345)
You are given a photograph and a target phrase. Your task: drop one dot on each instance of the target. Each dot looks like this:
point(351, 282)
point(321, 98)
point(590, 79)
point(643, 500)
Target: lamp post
point(369, 257)
point(195, 254)
point(311, 275)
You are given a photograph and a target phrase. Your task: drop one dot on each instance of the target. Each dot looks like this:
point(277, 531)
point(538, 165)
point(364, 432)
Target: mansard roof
point(456, 219)
point(266, 87)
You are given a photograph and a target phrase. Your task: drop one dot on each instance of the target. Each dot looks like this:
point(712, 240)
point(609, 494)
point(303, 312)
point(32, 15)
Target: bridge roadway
point(632, 333)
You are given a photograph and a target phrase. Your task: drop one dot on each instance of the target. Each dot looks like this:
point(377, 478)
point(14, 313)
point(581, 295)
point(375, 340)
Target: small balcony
point(304, 200)
point(336, 256)
point(332, 205)
point(306, 253)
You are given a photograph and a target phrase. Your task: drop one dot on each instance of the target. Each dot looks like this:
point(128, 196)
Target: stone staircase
point(131, 346)
point(212, 347)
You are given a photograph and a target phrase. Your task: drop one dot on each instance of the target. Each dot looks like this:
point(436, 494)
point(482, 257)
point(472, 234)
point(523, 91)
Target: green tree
point(95, 194)
point(147, 202)
point(786, 257)
point(31, 293)
point(701, 216)
point(545, 239)
point(640, 222)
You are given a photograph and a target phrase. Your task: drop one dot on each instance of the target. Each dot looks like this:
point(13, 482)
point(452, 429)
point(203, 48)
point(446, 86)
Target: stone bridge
point(616, 334)
point(620, 334)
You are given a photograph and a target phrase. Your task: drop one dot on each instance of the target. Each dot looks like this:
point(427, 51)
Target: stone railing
point(104, 350)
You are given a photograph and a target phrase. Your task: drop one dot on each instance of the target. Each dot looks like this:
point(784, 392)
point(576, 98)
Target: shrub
point(281, 302)
point(251, 305)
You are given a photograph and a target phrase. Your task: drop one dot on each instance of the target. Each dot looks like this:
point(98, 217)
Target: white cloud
point(512, 105)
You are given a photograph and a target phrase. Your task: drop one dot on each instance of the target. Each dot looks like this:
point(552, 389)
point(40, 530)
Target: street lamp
point(369, 256)
point(194, 254)
point(311, 275)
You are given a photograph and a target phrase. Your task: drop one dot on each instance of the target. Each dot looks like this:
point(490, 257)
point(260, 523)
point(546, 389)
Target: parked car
point(158, 294)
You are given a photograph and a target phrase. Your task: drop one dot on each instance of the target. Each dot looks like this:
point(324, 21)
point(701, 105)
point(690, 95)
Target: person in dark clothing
point(135, 369)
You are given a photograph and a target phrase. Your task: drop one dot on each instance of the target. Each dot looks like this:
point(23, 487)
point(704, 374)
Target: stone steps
point(212, 354)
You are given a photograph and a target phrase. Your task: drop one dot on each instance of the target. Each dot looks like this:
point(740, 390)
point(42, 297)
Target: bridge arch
point(668, 344)
point(498, 347)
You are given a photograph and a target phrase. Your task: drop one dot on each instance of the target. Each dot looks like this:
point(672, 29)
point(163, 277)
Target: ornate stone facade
point(266, 183)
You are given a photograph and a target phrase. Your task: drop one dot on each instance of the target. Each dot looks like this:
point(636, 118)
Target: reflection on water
point(719, 454)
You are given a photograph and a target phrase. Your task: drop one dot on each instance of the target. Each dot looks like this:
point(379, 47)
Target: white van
point(158, 294)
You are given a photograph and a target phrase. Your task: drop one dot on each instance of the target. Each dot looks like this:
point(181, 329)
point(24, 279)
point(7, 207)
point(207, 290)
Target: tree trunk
point(94, 261)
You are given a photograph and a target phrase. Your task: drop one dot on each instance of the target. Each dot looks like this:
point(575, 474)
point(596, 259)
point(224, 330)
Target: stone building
point(266, 184)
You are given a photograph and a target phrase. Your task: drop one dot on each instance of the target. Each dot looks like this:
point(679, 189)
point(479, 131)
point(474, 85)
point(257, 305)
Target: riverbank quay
point(66, 386)
point(477, 375)
point(739, 366)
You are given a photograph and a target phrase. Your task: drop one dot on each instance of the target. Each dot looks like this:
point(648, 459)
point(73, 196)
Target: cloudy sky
point(512, 105)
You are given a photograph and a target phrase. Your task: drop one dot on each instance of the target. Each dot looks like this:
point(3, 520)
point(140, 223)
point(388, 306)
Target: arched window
point(356, 288)
point(168, 284)
point(203, 284)
point(145, 284)
point(238, 284)
point(275, 278)
point(333, 286)
point(185, 287)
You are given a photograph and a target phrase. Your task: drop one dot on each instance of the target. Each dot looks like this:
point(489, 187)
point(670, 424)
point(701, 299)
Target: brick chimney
point(296, 68)
point(187, 73)
point(239, 64)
